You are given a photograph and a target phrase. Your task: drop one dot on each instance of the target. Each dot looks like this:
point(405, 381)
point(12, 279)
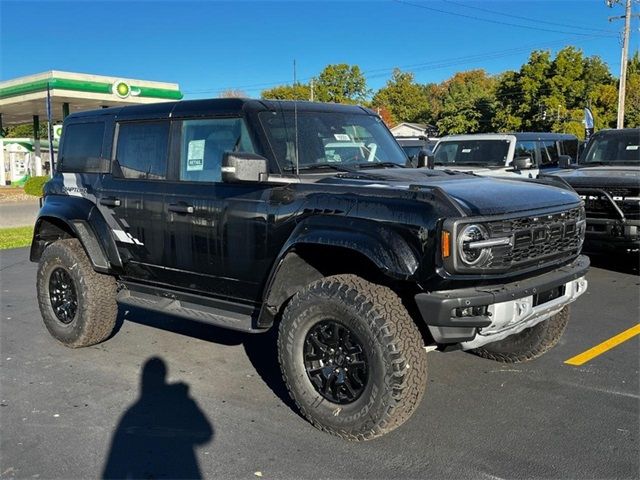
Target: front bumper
point(612, 234)
point(510, 307)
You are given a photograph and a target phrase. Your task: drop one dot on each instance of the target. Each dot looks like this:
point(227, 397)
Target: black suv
point(607, 177)
point(250, 214)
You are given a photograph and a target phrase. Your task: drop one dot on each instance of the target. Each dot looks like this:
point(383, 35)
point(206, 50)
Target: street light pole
point(623, 59)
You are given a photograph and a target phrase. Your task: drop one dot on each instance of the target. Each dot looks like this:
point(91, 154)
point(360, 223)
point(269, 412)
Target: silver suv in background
point(505, 155)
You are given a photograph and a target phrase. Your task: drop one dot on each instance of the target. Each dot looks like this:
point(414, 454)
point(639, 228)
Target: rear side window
point(82, 149)
point(570, 147)
point(142, 148)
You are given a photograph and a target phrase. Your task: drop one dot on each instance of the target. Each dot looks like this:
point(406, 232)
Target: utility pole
point(624, 57)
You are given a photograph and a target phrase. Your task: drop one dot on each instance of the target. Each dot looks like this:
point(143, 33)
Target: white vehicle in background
point(505, 155)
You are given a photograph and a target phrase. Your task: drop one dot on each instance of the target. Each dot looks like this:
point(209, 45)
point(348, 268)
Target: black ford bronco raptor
point(250, 214)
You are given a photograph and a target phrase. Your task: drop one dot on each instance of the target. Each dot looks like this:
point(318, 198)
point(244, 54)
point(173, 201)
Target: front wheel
point(528, 344)
point(352, 358)
point(78, 305)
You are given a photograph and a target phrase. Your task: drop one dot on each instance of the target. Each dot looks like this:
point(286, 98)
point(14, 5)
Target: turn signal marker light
point(445, 244)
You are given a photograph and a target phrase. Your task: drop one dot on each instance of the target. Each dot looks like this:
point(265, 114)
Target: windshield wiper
point(379, 164)
point(322, 166)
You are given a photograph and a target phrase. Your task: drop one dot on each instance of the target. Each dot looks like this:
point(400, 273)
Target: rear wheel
point(528, 344)
point(78, 305)
point(352, 358)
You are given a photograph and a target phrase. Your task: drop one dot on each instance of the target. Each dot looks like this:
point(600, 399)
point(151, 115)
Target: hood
point(475, 195)
point(601, 176)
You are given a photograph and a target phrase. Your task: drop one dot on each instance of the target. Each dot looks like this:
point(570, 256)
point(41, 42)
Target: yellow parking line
point(599, 349)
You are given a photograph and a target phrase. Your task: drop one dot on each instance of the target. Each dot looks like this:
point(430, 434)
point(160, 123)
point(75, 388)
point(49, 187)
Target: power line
point(497, 22)
point(528, 19)
point(383, 71)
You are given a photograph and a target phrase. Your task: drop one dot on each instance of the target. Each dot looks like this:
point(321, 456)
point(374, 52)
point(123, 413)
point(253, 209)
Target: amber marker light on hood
point(445, 244)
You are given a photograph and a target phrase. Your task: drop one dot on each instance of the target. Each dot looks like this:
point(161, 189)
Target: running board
point(193, 307)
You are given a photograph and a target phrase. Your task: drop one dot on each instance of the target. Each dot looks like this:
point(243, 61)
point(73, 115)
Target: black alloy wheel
point(335, 362)
point(62, 295)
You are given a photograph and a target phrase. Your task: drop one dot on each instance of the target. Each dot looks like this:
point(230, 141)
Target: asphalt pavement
point(18, 214)
point(222, 411)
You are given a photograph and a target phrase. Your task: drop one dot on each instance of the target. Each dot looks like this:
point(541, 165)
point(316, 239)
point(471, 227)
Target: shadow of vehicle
point(261, 348)
point(617, 262)
point(157, 435)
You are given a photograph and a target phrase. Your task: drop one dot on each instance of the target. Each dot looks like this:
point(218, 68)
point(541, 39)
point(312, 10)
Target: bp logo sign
point(57, 132)
point(122, 89)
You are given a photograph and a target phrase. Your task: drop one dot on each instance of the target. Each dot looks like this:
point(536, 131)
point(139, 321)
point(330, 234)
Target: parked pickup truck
point(607, 177)
point(230, 212)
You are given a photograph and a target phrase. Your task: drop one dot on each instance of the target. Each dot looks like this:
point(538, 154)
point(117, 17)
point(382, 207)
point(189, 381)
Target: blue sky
point(209, 46)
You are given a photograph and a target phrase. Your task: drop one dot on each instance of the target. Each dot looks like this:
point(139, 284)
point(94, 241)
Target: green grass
point(15, 237)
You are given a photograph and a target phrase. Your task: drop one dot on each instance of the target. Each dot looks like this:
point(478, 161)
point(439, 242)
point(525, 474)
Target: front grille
point(537, 239)
point(598, 205)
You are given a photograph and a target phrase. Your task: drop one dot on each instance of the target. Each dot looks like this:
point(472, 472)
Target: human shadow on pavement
point(157, 435)
point(261, 348)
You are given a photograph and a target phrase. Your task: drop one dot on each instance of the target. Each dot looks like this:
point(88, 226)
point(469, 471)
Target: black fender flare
point(80, 218)
point(381, 244)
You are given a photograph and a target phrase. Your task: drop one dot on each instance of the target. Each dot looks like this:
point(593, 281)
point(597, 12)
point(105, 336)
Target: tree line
point(546, 94)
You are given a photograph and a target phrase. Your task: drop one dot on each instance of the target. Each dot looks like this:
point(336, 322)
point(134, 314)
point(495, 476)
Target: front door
point(217, 241)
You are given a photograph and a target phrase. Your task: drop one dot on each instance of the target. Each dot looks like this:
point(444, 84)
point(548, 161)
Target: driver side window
point(204, 143)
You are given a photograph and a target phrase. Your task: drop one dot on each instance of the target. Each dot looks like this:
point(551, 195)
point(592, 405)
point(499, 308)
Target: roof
point(22, 98)
point(220, 106)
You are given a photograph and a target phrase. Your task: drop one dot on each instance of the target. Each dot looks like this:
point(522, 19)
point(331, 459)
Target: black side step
point(194, 307)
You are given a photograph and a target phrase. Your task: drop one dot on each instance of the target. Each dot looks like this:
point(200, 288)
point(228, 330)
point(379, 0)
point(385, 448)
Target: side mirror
point(424, 159)
point(564, 161)
point(522, 163)
point(244, 167)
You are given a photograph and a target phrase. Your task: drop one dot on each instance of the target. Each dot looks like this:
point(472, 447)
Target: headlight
point(471, 248)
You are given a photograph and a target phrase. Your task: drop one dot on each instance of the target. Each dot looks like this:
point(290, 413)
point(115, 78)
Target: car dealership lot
point(60, 408)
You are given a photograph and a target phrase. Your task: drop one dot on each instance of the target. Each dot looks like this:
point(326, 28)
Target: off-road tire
point(528, 344)
point(97, 309)
point(392, 343)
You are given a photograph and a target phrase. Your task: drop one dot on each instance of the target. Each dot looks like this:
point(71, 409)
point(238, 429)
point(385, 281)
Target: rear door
point(133, 197)
point(217, 236)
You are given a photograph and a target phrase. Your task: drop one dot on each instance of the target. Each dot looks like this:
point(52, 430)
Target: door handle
point(180, 208)
point(110, 202)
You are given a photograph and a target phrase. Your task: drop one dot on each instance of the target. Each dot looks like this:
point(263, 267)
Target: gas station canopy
point(23, 98)
point(52, 96)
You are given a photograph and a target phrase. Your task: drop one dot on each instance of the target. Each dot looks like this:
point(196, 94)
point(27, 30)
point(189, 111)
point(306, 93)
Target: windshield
point(614, 149)
point(486, 153)
point(330, 139)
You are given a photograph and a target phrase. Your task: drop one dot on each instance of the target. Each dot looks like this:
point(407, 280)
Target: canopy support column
point(36, 144)
point(3, 177)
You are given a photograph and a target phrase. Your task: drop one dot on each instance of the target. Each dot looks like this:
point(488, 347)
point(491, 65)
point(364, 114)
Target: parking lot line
point(599, 349)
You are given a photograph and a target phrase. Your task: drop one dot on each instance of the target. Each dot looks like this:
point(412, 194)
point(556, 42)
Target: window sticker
point(632, 147)
point(466, 150)
point(195, 155)
point(342, 137)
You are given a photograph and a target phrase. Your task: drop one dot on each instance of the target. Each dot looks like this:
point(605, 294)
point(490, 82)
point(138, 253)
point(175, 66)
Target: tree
point(25, 130)
point(341, 83)
point(632, 100)
point(405, 99)
point(233, 93)
point(469, 103)
point(299, 91)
